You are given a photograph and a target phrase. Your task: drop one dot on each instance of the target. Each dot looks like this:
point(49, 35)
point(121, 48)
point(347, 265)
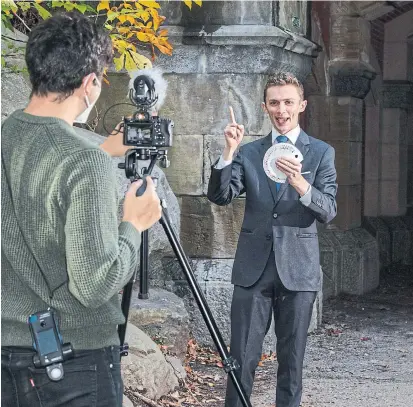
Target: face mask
point(82, 118)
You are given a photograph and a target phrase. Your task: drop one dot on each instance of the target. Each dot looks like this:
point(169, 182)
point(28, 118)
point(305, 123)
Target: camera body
point(144, 130)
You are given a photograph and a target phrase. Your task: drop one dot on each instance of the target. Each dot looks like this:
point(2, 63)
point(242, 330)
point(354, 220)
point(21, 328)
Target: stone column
point(397, 99)
point(341, 79)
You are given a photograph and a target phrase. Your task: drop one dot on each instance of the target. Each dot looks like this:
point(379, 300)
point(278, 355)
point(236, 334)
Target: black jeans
point(91, 379)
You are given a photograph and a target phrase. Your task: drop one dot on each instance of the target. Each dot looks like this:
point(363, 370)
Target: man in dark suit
point(277, 267)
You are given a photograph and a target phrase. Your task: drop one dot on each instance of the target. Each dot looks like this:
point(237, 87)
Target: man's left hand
point(292, 169)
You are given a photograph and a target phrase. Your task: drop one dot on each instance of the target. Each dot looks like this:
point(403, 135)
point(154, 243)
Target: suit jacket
point(278, 220)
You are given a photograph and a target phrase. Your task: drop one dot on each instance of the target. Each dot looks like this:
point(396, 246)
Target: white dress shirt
point(292, 139)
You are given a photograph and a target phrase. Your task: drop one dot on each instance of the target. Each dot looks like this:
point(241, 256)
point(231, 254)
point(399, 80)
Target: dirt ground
point(362, 355)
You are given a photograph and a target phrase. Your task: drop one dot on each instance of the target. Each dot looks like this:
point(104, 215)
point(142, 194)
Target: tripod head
point(134, 155)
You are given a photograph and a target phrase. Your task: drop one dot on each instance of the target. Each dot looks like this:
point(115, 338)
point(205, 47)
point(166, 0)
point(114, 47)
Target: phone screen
point(47, 342)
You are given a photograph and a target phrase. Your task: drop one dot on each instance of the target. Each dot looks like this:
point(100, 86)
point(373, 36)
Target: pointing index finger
point(231, 113)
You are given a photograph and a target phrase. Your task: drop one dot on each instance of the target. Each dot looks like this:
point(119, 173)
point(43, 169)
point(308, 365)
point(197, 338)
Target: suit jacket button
point(275, 215)
point(268, 237)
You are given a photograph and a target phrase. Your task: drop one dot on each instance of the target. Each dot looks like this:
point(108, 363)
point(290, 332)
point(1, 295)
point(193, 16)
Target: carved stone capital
point(351, 78)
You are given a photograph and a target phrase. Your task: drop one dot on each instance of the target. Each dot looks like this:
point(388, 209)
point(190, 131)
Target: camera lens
point(42, 323)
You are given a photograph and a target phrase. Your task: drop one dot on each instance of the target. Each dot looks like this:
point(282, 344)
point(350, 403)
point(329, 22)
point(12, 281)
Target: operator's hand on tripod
point(143, 211)
point(113, 144)
point(234, 133)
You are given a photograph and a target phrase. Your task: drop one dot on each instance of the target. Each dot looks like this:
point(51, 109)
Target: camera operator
point(62, 246)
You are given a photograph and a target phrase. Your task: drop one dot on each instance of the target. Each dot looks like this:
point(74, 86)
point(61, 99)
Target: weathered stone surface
point(241, 12)
point(397, 94)
point(346, 119)
point(292, 15)
point(349, 204)
point(214, 279)
point(348, 162)
point(210, 230)
point(380, 231)
point(145, 368)
point(401, 240)
point(359, 262)
point(330, 261)
point(186, 170)
point(15, 93)
point(213, 148)
point(233, 51)
point(350, 262)
point(164, 318)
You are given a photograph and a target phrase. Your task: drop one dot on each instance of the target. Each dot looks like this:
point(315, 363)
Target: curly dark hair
point(62, 50)
point(281, 78)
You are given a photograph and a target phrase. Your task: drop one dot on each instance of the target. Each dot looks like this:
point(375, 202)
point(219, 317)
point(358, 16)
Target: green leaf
point(135, 61)
point(90, 8)
point(3, 61)
point(69, 6)
point(119, 62)
point(112, 15)
point(57, 3)
point(81, 7)
point(109, 27)
point(24, 5)
point(42, 11)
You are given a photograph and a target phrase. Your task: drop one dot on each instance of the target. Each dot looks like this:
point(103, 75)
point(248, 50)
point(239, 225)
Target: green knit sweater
point(61, 242)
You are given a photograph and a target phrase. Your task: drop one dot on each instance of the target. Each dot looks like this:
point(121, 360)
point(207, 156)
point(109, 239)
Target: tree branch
point(149, 402)
point(15, 15)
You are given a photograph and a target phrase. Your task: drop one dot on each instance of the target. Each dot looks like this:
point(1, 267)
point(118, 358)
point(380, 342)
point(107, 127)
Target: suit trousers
point(251, 312)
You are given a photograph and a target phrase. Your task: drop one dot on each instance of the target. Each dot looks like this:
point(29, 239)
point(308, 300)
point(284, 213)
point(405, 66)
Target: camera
point(144, 130)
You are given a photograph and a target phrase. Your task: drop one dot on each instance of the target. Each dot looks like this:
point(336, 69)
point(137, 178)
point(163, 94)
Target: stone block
point(371, 198)
point(348, 162)
point(209, 98)
point(390, 163)
point(318, 117)
point(348, 207)
point(209, 230)
point(214, 279)
point(164, 318)
point(186, 170)
point(390, 199)
point(350, 37)
point(380, 231)
point(401, 240)
point(330, 261)
point(346, 119)
point(213, 148)
point(372, 154)
point(241, 12)
point(292, 15)
point(237, 50)
point(359, 266)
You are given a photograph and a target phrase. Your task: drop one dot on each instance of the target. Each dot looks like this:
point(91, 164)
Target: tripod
point(229, 363)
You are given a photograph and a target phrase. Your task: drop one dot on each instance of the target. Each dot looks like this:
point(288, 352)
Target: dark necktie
point(280, 139)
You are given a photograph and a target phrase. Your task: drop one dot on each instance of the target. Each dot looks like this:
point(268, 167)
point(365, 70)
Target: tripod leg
point(143, 278)
point(230, 364)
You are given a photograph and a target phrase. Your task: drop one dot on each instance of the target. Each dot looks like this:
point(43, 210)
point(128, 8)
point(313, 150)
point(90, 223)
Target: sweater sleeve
point(101, 256)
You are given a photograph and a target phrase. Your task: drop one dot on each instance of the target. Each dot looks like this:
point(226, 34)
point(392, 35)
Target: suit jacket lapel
point(265, 145)
point(303, 144)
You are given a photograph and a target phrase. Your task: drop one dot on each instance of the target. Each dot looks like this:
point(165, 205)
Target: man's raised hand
point(233, 136)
